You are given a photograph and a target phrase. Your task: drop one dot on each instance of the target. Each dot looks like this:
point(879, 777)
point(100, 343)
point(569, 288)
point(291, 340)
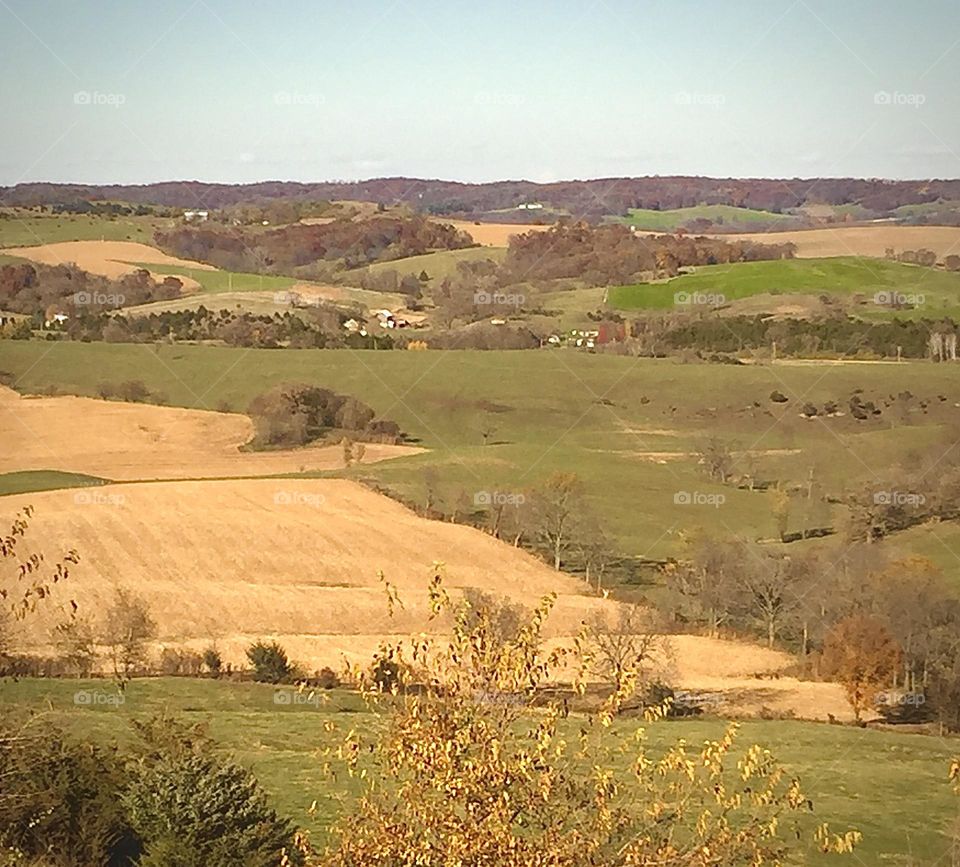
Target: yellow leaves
point(838, 844)
point(954, 774)
point(473, 767)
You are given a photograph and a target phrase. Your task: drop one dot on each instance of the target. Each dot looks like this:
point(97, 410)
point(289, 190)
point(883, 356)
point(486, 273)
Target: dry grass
point(862, 240)
point(493, 234)
point(108, 258)
point(126, 442)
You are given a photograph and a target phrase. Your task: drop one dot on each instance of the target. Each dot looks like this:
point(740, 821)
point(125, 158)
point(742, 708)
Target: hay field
point(128, 442)
point(110, 258)
point(233, 561)
point(862, 240)
point(493, 234)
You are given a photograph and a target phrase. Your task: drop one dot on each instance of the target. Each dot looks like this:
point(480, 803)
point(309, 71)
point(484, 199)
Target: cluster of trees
point(106, 209)
point(292, 249)
point(925, 487)
point(606, 255)
point(317, 328)
point(834, 335)
point(552, 519)
point(294, 414)
point(808, 601)
point(38, 289)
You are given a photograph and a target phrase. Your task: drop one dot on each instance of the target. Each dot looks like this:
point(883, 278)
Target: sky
point(236, 91)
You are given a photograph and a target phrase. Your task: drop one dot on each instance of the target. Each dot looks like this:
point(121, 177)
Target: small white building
point(196, 216)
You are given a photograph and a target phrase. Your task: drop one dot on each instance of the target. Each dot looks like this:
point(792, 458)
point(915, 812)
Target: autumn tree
point(860, 653)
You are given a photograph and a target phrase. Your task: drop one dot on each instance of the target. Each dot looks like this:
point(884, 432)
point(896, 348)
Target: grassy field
point(28, 231)
point(45, 480)
point(438, 265)
point(842, 277)
point(856, 778)
point(224, 281)
point(670, 220)
point(630, 427)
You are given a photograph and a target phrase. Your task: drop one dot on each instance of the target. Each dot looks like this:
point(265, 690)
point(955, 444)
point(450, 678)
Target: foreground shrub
point(59, 799)
point(466, 771)
point(193, 811)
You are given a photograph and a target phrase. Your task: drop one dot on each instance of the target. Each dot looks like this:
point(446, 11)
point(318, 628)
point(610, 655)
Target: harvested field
point(298, 561)
point(863, 240)
point(108, 258)
point(128, 442)
point(493, 234)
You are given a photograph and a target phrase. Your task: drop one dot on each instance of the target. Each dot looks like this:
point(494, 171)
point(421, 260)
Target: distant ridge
point(585, 198)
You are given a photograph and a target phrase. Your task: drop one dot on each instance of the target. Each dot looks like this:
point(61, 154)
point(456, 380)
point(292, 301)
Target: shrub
point(327, 678)
point(59, 801)
point(176, 662)
point(270, 663)
point(133, 391)
point(212, 661)
point(193, 811)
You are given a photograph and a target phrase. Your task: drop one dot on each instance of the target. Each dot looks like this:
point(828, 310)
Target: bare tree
point(558, 504)
point(75, 640)
point(127, 628)
point(624, 645)
point(717, 458)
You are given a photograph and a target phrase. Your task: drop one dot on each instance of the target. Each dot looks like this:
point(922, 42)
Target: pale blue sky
point(241, 90)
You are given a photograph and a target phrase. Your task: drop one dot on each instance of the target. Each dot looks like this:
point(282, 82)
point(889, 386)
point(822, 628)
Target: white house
point(199, 216)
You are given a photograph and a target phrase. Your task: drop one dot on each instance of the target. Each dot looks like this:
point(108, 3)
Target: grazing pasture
point(890, 786)
point(671, 220)
point(842, 278)
point(630, 427)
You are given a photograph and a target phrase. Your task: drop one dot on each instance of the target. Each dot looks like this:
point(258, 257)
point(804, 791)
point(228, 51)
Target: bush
point(193, 811)
point(327, 678)
point(175, 662)
point(133, 391)
point(270, 663)
point(59, 801)
point(212, 661)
